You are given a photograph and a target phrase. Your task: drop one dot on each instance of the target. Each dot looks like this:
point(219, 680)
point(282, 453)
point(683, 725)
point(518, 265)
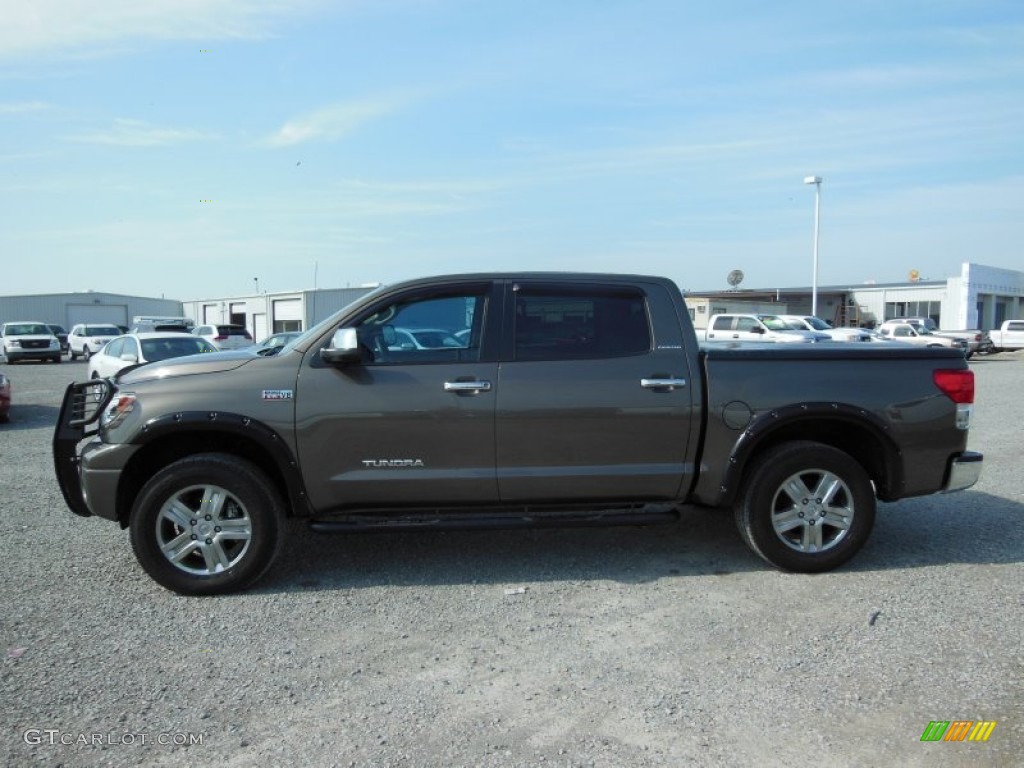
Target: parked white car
point(770, 328)
point(29, 340)
point(225, 335)
point(86, 339)
point(425, 338)
point(140, 348)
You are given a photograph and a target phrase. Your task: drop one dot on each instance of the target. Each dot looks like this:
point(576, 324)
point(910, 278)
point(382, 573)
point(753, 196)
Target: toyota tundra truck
point(527, 400)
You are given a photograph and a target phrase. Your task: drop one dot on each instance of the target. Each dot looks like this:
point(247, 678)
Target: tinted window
point(102, 330)
point(232, 330)
point(566, 325)
point(722, 324)
point(164, 349)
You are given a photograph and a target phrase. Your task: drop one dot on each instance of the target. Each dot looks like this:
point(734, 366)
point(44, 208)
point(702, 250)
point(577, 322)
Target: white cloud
point(137, 133)
point(22, 107)
point(333, 122)
point(32, 26)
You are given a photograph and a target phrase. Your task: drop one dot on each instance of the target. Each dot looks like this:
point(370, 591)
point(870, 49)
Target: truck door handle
point(668, 384)
point(467, 386)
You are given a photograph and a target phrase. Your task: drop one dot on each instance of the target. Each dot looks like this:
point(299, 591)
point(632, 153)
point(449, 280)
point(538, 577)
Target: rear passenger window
point(569, 325)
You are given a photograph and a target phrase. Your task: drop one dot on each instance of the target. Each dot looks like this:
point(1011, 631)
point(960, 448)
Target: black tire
point(73, 354)
point(86, 353)
point(210, 559)
point(806, 507)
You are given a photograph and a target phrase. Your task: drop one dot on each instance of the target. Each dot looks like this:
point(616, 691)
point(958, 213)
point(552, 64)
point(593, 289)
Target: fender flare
point(236, 425)
point(765, 426)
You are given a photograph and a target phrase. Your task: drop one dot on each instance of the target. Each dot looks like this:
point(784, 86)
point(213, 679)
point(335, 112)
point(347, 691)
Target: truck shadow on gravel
point(24, 417)
point(960, 528)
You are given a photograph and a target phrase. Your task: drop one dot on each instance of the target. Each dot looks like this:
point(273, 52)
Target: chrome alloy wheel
point(812, 511)
point(203, 530)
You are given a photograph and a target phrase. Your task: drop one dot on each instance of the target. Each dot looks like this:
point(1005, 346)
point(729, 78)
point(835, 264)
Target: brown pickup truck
point(510, 400)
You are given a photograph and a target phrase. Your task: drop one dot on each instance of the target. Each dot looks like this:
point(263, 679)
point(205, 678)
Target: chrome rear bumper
point(964, 471)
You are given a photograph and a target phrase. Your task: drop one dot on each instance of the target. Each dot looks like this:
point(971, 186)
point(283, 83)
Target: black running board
point(509, 519)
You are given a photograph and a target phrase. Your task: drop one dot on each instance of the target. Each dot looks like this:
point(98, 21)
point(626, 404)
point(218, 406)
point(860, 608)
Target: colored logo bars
point(958, 730)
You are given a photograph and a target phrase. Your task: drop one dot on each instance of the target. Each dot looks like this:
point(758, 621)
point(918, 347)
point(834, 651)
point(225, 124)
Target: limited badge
point(277, 394)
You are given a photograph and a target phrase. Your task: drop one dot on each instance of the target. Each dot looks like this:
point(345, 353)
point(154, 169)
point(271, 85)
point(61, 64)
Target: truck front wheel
point(806, 507)
point(206, 525)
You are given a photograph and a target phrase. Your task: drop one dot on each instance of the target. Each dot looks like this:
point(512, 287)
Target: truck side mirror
point(344, 348)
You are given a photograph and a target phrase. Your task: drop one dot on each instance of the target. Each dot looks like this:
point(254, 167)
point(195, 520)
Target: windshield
point(817, 323)
point(26, 329)
point(774, 323)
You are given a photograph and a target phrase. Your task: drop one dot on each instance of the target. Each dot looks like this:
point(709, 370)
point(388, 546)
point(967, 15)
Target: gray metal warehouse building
point(267, 313)
point(68, 309)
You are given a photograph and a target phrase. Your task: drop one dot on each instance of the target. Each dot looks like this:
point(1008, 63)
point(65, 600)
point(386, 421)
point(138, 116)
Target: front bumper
point(964, 471)
point(15, 356)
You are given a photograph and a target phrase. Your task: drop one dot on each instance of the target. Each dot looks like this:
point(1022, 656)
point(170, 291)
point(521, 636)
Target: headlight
point(117, 410)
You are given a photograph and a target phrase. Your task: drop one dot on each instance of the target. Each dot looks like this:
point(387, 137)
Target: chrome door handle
point(467, 386)
point(662, 383)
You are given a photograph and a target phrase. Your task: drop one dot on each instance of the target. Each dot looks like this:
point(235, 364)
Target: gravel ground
point(665, 646)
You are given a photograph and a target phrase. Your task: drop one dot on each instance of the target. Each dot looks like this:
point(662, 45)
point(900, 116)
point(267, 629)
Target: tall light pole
point(816, 181)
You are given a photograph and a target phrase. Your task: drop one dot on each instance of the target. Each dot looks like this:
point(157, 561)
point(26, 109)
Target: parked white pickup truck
point(769, 328)
point(977, 340)
point(900, 331)
point(1008, 336)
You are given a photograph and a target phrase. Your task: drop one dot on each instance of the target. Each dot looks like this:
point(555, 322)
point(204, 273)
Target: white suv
point(29, 340)
point(86, 339)
point(225, 336)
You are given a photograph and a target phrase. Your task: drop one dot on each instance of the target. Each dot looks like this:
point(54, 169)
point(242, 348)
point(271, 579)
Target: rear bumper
point(964, 471)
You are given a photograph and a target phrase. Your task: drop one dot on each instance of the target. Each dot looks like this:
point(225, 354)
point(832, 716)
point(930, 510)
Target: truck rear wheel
point(206, 525)
point(806, 507)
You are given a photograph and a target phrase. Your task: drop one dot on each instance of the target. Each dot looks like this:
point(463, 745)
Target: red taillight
point(957, 385)
point(219, 338)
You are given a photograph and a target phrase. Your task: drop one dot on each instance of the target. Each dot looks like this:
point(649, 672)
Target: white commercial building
point(979, 297)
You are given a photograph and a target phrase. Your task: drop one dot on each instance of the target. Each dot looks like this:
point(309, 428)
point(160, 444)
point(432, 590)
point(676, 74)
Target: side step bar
point(508, 519)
